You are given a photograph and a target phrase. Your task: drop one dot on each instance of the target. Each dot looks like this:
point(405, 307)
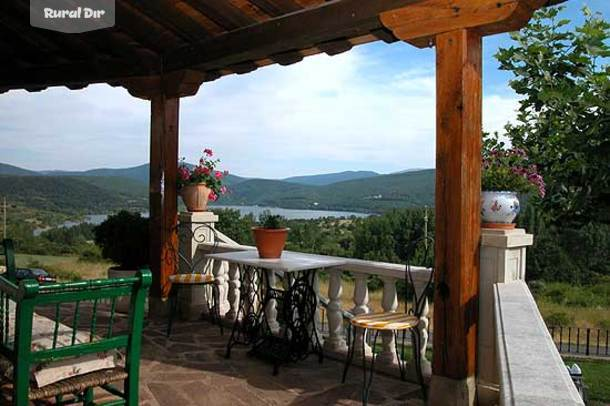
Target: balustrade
point(335, 340)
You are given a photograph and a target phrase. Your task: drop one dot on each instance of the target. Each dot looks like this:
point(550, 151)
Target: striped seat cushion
point(194, 278)
point(385, 321)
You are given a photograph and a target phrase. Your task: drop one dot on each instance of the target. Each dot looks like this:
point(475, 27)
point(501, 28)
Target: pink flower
point(206, 170)
point(218, 175)
point(213, 196)
point(208, 152)
point(223, 190)
point(184, 173)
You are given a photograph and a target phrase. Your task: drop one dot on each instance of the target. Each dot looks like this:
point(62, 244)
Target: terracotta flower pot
point(195, 197)
point(499, 209)
point(270, 242)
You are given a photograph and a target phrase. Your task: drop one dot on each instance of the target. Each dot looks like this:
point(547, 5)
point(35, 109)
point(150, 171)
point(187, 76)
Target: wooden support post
point(163, 190)
point(458, 223)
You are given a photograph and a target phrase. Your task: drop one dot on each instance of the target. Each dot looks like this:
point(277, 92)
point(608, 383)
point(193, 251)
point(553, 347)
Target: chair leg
point(350, 350)
point(368, 382)
point(415, 339)
point(88, 397)
point(401, 359)
point(173, 296)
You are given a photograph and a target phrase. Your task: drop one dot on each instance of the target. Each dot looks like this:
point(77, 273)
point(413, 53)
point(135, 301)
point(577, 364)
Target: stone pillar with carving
point(502, 261)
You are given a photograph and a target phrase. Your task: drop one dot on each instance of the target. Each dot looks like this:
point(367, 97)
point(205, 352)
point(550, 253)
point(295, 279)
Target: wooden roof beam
point(299, 30)
point(420, 23)
point(72, 74)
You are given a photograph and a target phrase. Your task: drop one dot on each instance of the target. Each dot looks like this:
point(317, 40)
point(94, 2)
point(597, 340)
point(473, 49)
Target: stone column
point(502, 261)
point(192, 300)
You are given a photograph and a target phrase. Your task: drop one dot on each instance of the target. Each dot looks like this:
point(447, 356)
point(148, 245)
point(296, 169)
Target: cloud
point(326, 113)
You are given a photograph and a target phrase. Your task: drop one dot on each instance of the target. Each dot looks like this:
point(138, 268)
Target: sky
point(372, 108)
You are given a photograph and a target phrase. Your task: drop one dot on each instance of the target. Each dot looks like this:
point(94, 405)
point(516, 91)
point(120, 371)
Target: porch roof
point(213, 38)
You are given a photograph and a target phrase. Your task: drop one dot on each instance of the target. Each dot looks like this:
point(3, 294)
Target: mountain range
point(109, 189)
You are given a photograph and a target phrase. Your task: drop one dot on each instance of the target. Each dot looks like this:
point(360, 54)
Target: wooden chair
point(17, 318)
point(195, 272)
point(396, 322)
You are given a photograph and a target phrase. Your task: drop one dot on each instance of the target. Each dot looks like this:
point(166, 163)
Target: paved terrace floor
point(190, 369)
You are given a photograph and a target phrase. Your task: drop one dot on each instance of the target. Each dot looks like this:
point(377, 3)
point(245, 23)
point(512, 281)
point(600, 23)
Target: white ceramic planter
point(499, 208)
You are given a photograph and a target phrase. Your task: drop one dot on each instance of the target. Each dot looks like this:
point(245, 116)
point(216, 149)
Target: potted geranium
point(124, 239)
point(202, 183)
point(507, 172)
point(270, 236)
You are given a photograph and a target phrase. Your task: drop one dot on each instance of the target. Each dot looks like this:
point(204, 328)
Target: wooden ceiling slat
point(223, 13)
point(276, 8)
point(204, 21)
point(168, 16)
point(145, 29)
point(249, 9)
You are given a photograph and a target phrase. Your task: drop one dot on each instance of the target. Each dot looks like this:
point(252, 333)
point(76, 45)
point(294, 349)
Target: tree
point(563, 120)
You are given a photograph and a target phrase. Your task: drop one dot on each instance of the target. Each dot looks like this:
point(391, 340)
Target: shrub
point(124, 239)
point(559, 319)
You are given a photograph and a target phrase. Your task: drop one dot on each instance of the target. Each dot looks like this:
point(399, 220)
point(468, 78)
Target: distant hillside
point(370, 194)
point(90, 191)
point(6, 169)
point(71, 194)
point(329, 178)
point(139, 173)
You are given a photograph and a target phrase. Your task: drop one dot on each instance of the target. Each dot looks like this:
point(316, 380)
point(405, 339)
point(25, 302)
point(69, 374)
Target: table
point(296, 304)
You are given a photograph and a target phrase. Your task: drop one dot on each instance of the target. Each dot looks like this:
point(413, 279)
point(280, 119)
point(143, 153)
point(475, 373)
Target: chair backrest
point(425, 246)
point(19, 302)
point(198, 233)
point(9, 258)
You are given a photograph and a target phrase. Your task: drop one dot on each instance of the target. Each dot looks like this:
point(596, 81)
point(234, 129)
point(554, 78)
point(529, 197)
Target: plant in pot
point(202, 183)
point(506, 172)
point(124, 239)
point(270, 236)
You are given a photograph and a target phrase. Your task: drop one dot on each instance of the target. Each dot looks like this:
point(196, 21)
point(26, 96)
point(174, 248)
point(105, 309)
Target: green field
point(596, 374)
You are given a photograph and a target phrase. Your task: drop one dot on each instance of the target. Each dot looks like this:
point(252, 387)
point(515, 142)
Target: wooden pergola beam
point(333, 20)
point(420, 23)
point(163, 198)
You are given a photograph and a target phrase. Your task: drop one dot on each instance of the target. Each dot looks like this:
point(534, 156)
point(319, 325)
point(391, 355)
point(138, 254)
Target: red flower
point(218, 175)
point(208, 152)
point(213, 196)
point(223, 190)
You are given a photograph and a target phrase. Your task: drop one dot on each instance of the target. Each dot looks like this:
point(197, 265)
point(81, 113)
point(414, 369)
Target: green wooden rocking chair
point(18, 302)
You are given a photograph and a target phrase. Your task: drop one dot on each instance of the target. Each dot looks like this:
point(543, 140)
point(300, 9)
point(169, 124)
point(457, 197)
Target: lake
point(291, 214)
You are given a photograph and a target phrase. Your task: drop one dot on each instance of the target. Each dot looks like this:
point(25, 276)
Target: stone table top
point(289, 262)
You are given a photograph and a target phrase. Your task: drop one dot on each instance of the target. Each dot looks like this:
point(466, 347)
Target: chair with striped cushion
point(195, 272)
point(395, 322)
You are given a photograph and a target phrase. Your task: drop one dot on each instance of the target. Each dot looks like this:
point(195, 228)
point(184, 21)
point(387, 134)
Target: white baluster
point(233, 294)
point(424, 322)
point(221, 279)
point(389, 303)
point(317, 319)
point(335, 340)
point(361, 300)
point(271, 309)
